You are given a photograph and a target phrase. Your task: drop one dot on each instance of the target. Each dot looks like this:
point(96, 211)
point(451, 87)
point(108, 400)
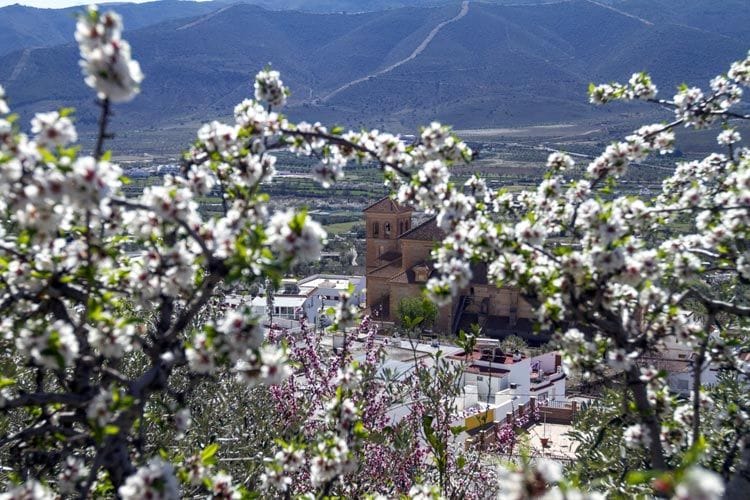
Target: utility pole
point(269, 302)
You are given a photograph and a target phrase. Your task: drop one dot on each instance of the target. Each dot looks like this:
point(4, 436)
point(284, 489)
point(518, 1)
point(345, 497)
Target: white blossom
point(728, 136)
point(200, 355)
point(240, 333)
point(182, 420)
point(217, 136)
point(637, 436)
point(222, 487)
point(105, 57)
point(275, 479)
point(296, 236)
point(270, 88)
point(155, 480)
point(699, 484)
point(53, 346)
point(74, 470)
point(30, 490)
point(740, 71)
point(99, 410)
point(112, 341)
point(640, 86)
point(4, 109)
point(424, 492)
point(559, 162)
point(530, 233)
point(51, 129)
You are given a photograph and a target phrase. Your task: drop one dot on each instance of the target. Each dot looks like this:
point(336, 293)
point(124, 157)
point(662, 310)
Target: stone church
point(398, 264)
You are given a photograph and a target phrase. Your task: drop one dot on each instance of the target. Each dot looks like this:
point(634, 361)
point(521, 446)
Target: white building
point(492, 379)
point(309, 298)
point(287, 309)
point(503, 381)
point(324, 291)
point(678, 360)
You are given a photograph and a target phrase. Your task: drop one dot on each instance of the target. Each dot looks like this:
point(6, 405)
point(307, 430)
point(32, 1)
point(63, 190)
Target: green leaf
point(640, 477)
point(209, 452)
point(359, 430)
point(693, 455)
point(111, 430)
point(47, 156)
point(457, 429)
point(5, 382)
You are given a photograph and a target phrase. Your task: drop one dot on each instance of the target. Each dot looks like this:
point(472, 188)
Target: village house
point(679, 362)
point(308, 298)
point(493, 381)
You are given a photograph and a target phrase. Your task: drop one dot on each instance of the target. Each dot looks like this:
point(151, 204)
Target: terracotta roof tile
point(409, 275)
point(386, 271)
point(387, 205)
point(426, 231)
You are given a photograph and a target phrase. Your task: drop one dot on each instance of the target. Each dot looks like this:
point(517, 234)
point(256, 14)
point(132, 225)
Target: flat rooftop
point(337, 283)
point(493, 355)
point(486, 370)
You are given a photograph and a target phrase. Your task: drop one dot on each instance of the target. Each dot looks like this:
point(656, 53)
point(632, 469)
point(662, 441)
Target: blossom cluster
point(105, 56)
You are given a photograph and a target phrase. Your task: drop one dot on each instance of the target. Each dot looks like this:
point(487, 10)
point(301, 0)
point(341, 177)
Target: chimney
point(421, 273)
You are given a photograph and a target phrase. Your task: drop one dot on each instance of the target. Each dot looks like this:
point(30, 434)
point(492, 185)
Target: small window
point(479, 379)
point(387, 229)
point(375, 229)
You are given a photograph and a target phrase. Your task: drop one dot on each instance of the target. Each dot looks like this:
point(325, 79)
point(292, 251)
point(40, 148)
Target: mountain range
point(400, 64)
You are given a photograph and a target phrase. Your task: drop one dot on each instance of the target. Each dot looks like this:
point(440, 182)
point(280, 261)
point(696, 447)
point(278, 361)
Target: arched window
point(387, 229)
point(375, 229)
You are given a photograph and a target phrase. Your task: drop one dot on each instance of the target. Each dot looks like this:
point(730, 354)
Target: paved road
point(420, 48)
point(204, 18)
point(21, 64)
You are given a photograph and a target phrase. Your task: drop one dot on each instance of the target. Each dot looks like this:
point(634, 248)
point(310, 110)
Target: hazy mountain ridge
point(28, 27)
point(499, 65)
point(24, 27)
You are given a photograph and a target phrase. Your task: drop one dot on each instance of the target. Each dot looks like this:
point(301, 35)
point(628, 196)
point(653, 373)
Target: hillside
point(496, 66)
point(28, 27)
